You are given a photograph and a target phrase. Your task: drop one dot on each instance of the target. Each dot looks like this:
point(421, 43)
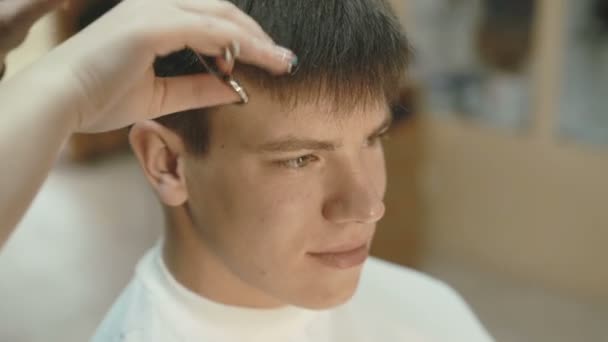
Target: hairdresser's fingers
point(221, 34)
point(210, 35)
point(176, 94)
point(278, 60)
point(228, 11)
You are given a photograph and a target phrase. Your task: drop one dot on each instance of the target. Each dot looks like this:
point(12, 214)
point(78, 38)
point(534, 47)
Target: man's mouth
point(343, 258)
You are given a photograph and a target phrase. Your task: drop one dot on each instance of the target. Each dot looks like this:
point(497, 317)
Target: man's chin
point(327, 297)
point(333, 302)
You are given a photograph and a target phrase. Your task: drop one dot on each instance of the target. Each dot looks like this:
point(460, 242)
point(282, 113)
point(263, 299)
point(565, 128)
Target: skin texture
point(247, 218)
point(102, 79)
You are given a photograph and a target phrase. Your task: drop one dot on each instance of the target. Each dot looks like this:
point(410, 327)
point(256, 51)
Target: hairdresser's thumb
point(191, 92)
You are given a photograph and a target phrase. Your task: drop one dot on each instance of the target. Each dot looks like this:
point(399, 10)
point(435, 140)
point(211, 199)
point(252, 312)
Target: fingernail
point(293, 65)
point(236, 48)
point(227, 55)
point(289, 59)
point(232, 52)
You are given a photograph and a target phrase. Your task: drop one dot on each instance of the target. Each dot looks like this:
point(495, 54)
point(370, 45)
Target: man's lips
point(343, 257)
point(342, 248)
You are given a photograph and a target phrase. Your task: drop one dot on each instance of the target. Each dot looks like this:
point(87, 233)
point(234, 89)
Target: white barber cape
point(392, 304)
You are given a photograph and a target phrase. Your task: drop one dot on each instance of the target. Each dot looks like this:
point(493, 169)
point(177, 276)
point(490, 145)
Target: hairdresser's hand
point(16, 19)
point(102, 78)
point(109, 64)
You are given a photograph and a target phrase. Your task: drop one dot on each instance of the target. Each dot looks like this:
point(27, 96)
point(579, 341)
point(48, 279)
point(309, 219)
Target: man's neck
point(194, 265)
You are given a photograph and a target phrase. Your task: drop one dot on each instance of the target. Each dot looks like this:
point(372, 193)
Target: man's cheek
point(284, 194)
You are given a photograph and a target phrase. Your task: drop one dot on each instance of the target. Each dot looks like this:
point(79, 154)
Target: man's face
point(286, 198)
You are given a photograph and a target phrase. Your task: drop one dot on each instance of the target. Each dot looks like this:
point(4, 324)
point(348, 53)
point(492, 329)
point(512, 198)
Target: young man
point(273, 205)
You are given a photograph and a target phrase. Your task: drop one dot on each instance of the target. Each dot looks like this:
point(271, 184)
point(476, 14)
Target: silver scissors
point(228, 79)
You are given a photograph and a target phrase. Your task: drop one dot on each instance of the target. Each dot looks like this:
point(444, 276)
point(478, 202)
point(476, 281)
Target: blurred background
point(497, 178)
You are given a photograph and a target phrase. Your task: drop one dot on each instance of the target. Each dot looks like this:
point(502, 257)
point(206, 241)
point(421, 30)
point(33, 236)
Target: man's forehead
point(263, 107)
point(279, 127)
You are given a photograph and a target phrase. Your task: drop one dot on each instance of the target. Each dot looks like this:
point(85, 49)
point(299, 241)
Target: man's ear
point(161, 154)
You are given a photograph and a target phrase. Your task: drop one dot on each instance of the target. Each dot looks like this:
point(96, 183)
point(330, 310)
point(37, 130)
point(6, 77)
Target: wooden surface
point(525, 204)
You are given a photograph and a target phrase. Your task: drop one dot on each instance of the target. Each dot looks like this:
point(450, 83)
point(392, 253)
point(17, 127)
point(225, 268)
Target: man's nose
point(356, 199)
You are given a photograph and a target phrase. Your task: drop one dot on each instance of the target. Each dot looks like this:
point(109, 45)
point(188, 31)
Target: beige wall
point(535, 211)
point(528, 205)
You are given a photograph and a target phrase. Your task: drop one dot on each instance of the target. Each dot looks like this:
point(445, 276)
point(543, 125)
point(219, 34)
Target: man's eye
point(373, 141)
point(298, 163)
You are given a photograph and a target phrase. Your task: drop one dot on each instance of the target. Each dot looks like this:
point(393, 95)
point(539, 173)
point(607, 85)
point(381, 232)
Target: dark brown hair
point(351, 52)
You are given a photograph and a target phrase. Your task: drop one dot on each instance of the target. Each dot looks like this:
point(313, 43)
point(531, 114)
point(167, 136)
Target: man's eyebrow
point(292, 143)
